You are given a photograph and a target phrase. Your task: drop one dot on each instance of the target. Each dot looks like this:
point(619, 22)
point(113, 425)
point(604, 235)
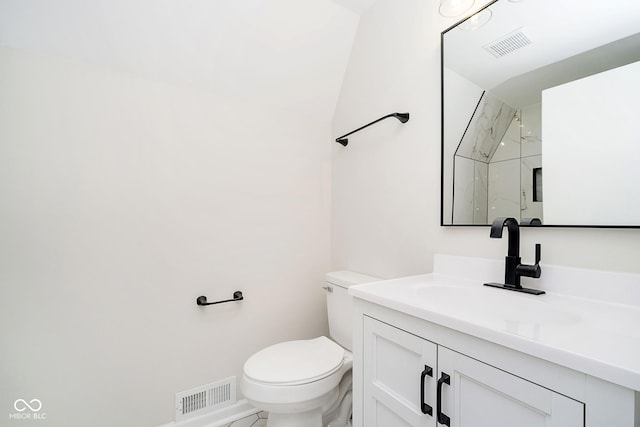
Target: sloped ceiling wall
point(289, 54)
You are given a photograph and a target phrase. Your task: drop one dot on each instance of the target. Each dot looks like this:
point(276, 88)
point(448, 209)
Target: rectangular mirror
point(541, 114)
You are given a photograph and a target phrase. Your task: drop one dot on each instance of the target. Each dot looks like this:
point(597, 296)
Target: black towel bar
point(403, 117)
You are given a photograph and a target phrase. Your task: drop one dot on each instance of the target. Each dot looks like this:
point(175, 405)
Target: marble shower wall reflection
point(530, 160)
point(494, 164)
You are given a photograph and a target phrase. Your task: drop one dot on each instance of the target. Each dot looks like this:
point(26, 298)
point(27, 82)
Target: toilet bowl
point(307, 383)
point(297, 381)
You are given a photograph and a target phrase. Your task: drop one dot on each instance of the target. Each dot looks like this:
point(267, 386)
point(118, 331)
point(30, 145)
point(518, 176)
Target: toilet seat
point(295, 362)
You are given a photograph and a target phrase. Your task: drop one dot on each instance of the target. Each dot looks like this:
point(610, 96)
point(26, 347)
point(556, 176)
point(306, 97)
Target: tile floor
point(257, 420)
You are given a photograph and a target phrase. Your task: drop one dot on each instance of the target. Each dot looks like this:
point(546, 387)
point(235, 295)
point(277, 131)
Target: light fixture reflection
point(450, 8)
point(476, 21)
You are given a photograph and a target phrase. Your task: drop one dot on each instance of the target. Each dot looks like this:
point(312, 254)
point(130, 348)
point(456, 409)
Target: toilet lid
point(295, 362)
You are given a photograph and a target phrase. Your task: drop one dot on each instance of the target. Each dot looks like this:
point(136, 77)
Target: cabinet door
point(480, 395)
point(398, 373)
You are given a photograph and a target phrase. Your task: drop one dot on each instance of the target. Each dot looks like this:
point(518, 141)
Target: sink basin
point(493, 305)
point(587, 321)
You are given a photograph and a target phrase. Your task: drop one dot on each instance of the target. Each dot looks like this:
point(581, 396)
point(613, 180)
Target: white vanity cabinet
point(482, 395)
point(399, 375)
point(408, 379)
point(568, 358)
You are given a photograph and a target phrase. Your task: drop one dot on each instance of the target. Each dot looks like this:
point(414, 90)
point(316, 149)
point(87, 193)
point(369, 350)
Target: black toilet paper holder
point(202, 300)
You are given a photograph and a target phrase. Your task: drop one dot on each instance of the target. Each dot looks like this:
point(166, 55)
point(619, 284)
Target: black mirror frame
point(442, 224)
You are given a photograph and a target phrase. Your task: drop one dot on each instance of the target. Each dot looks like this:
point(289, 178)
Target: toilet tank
point(340, 304)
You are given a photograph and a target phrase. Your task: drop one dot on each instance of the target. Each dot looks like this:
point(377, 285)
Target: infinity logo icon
point(22, 405)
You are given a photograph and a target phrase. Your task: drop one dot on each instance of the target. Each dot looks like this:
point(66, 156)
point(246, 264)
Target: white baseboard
point(240, 409)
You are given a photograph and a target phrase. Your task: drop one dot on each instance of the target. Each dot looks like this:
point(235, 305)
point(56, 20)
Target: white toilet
point(307, 383)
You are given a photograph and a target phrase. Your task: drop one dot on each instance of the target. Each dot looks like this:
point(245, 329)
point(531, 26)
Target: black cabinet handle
point(426, 409)
point(442, 418)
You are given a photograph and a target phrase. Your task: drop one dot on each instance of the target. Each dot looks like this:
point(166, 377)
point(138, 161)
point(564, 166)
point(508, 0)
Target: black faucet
point(513, 269)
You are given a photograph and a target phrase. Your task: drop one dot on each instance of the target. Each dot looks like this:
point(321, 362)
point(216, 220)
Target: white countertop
point(595, 336)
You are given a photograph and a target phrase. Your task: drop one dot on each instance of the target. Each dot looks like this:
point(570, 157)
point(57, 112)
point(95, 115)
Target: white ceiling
point(291, 54)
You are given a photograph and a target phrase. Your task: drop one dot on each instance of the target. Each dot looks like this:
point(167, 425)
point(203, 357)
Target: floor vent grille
point(509, 43)
point(205, 399)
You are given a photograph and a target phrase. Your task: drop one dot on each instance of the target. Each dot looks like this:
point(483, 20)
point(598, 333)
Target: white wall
point(381, 208)
point(122, 201)
point(591, 127)
point(386, 183)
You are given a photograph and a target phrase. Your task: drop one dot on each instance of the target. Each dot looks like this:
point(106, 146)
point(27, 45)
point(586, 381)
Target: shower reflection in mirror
point(494, 163)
